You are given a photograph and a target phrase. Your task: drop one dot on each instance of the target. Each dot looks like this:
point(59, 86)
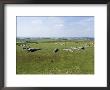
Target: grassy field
point(45, 61)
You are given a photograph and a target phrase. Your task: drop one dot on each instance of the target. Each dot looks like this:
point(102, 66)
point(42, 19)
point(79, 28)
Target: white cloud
point(59, 25)
point(37, 22)
point(55, 20)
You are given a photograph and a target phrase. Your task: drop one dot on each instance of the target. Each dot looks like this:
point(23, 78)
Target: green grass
point(63, 62)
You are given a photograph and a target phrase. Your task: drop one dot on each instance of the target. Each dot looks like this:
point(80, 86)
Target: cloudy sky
point(55, 26)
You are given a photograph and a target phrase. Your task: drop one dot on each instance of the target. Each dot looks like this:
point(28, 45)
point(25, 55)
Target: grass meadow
point(45, 61)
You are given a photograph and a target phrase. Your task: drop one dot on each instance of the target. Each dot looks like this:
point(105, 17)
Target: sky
point(55, 26)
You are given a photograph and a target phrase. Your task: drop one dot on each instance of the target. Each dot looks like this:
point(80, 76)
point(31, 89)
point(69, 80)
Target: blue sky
point(55, 26)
